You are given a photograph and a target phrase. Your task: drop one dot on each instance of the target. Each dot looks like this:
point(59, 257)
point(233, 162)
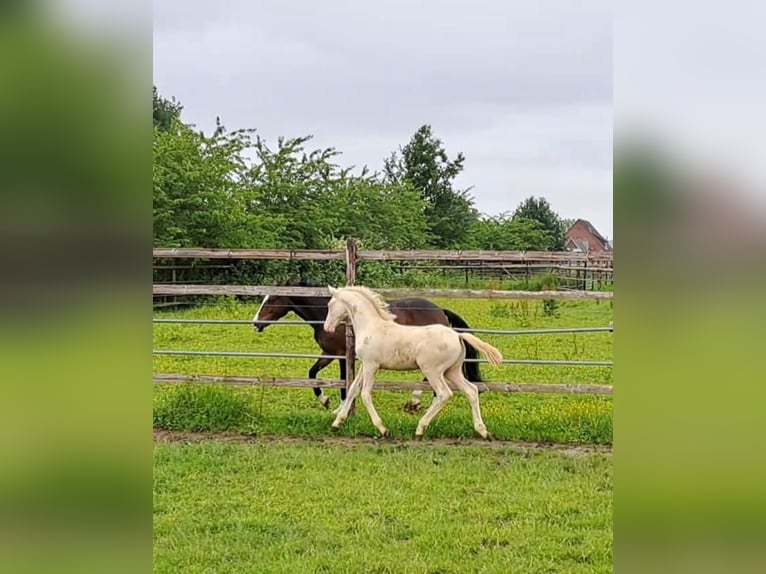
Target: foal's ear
point(331, 290)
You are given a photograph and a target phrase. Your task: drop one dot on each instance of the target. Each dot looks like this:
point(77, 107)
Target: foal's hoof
point(385, 434)
point(325, 402)
point(488, 437)
point(334, 428)
point(418, 437)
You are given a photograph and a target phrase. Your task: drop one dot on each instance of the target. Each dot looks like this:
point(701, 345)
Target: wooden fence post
point(350, 341)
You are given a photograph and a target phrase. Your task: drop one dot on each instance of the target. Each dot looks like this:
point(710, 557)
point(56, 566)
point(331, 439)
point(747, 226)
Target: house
point(583, 237)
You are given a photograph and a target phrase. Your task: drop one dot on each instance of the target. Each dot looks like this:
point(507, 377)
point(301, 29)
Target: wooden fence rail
point(571, 389)
point(362, 255)
point(262, 290)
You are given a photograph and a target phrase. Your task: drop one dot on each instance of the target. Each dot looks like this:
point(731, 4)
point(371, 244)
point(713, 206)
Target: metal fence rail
point(232, 322)
point(308, 356)
point(313, 356)
point(352, 257)
point(246, 354)
point(485, 331)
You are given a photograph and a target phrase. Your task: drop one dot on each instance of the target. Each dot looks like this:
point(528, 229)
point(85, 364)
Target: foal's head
point(336, 310)
point(342, 304)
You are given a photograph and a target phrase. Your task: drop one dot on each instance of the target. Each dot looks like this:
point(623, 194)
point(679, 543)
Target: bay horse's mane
point(377, 301)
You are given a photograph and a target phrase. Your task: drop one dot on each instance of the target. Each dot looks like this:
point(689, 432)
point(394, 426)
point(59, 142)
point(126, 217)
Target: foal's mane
point(377, 301)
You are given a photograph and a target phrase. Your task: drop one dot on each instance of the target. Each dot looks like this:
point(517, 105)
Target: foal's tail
point(494, 356)
point(470, 369)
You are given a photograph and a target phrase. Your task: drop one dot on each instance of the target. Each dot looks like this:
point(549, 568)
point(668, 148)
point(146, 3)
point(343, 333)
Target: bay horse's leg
point(455, 375)
point(345, 407)
point(443, 394)
point(342, 368)
point(413, 405)
point(313, 372)
point(368, 380)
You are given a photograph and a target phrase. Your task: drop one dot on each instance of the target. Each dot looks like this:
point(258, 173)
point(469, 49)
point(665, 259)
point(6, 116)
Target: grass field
point(291, 499)
point(304, 506)
point(294, 412)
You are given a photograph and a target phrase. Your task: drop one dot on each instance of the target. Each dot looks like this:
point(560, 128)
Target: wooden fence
point(351, 256)
point(572, 270)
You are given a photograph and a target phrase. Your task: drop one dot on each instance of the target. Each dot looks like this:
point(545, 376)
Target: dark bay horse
point(418, 312)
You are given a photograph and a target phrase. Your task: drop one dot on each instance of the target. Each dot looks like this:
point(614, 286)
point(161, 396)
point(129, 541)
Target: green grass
point(295, 412)
point(303, 507)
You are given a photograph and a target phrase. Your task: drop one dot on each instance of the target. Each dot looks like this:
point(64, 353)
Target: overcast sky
point(522, 88)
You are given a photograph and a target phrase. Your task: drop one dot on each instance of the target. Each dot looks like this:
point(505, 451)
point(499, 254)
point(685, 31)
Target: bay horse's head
point(273, 308)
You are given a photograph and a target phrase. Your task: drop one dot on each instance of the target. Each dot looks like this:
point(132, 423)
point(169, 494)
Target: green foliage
point(538, 209)
point(505, 233)
point(164, 112)
point(424, 163)
point(381, 216)
point(207, 193)
point(292, 190)
point(200, 195)
point(232, 190)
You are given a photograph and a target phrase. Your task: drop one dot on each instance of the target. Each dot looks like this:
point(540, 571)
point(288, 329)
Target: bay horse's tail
point(494, 356)
point(470, 369)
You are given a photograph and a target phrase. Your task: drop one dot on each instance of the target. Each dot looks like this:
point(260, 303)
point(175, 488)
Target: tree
point(201, 197)
point(538, 209)
point(423, 163)
point(505, 233)
point(380, 215)
point(164, 111)
point(295, 188)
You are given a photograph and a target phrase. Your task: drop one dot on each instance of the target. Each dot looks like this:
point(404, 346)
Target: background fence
point(569, 270)
point(351, 257)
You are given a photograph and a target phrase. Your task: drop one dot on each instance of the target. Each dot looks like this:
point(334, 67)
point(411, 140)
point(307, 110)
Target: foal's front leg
point(345, 407)
point(367, 384)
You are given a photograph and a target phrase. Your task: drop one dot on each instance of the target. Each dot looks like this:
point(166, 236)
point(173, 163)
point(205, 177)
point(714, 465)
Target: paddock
point(351, 256)
point(247, 471)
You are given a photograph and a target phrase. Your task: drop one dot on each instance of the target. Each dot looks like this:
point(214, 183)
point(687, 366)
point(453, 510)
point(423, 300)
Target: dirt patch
point(195, 437)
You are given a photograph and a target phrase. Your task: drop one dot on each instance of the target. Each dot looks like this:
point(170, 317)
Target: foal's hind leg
point(442, 394)
point(455, 375)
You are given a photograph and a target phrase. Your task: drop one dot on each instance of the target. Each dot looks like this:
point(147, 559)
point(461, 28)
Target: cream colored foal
point(381, 343)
